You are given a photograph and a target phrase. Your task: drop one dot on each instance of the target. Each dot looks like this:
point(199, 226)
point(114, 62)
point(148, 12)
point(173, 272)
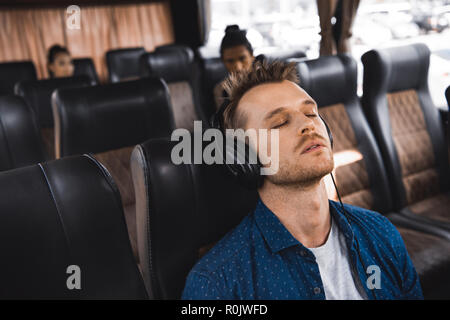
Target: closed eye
point(279, 125)
point(312, 115)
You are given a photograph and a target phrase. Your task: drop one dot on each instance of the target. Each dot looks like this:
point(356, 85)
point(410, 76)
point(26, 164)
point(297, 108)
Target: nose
point(238, 66)
point(306, 125)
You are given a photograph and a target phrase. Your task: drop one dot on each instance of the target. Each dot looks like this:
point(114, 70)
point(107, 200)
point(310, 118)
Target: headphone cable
point(348, 216)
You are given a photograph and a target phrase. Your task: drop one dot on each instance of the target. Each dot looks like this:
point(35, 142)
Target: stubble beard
point(299, 175)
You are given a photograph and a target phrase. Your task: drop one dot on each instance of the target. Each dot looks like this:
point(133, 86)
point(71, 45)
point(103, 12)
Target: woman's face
point(237, 58)
point(62, 66)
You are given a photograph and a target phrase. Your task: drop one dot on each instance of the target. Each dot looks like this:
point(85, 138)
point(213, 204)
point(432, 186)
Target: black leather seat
point(447, 95)
point(85, 66)
point(409, 131)
point(108, 121)
point(59, 214)
point(170, 47)
point(20, 143)
point(13, 72)
point(37, 95)
point(282, 55)
point(447, 118)
point(181, 211)
point(287, 54)
point(359, 170)
point(175, 64)
point(359, 173)
point(123, 64)
point(213, 71)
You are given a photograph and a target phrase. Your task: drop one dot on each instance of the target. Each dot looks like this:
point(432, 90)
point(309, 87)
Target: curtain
point(349, 8)
point(26, 34)
point(345, 18)
point(326, 9)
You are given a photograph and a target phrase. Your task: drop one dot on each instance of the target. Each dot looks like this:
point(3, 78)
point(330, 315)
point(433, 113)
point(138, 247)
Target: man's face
point(237, 58)
point(305, 154)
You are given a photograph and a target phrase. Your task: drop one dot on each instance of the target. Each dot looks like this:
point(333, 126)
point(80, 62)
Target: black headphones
point(248, 174)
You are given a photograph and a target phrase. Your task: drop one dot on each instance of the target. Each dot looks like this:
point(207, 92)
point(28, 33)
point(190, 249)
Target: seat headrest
point(13, 72)
point(330, 79)
point(199, 209)
point(111, 116)
point(64, 213)
point(38, 93)
point(284, 55)
point(397, 69)
point(174, 47)
point(172, 63)
point(123, 63)
point(20, 144)
point(85, 66)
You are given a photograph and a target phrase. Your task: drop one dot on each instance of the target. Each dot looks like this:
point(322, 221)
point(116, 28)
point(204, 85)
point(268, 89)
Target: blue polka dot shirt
point(260, 259)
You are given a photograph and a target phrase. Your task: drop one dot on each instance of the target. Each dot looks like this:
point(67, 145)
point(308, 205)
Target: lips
point(312, 146)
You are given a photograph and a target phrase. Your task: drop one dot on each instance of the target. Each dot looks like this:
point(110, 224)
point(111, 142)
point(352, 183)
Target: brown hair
point(238, 83)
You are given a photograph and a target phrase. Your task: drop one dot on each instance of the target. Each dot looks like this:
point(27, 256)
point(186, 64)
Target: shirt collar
point(344, 225)
point(279, 238)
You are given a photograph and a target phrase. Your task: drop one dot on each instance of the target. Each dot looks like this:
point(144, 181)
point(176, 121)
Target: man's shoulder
point(367, 215)
point(220, 263)
point(382, 243)
point(227, 251)
point(374, 223)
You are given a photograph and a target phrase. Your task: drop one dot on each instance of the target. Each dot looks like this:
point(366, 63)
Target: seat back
point(20, 143)
point(359, 171)
point(85, 66)
point(56, 217)
point(123, 64)
point(406, 123)
point(213, 71)
point(108, 121)
point(178, 222)
point(37, 95)
point(13, 72)
point(175, 64)
point(111, 116)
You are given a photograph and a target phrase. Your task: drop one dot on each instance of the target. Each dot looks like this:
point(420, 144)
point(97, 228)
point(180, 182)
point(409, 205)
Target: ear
point(51, 67)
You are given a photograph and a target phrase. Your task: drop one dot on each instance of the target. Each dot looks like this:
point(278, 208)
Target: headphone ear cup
point(246, 172)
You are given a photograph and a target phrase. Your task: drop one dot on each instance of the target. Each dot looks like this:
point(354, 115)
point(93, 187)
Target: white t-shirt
point(334, 266)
